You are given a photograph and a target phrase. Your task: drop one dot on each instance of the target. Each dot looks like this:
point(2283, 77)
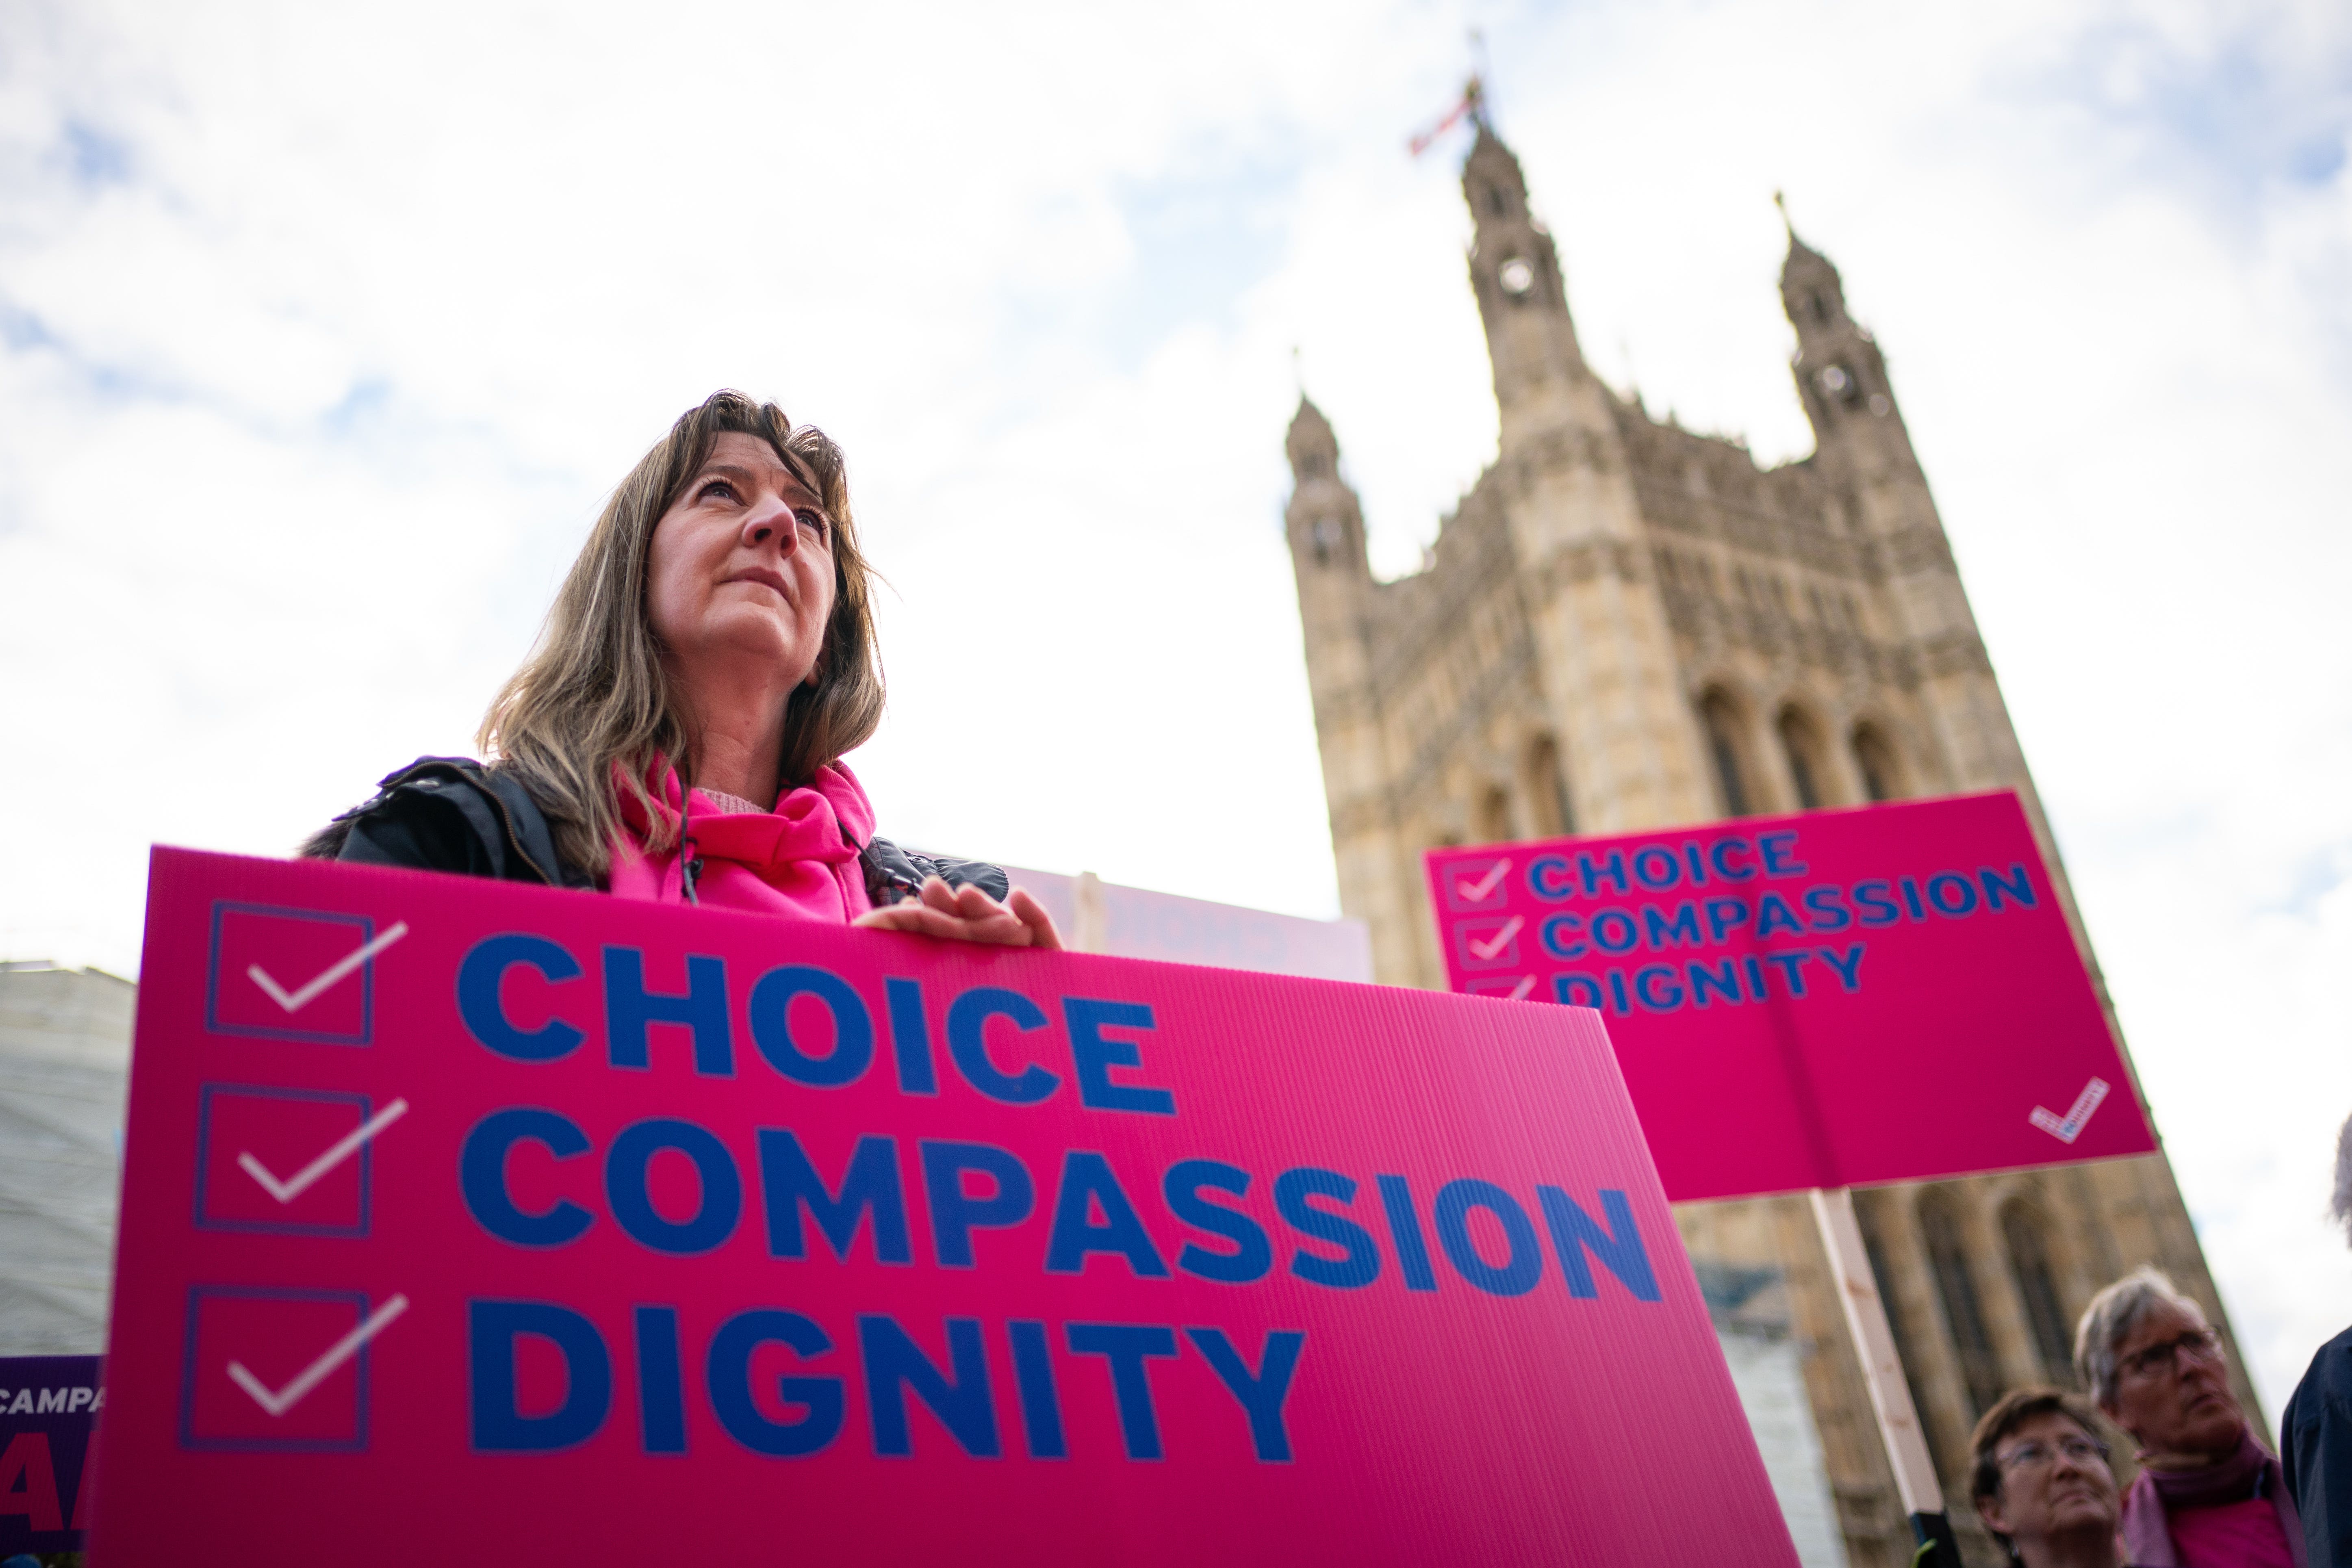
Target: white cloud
point(322, 333)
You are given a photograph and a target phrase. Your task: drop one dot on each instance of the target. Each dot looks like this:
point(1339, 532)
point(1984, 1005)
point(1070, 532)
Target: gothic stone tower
point(1626, 624)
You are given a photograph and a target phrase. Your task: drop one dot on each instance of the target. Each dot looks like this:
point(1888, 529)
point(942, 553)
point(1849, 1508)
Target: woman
point(711, 649)
point(2208, 1494)
point(2040, 1483)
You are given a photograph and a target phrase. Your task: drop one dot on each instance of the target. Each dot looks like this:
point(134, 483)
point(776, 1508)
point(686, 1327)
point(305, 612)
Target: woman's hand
point(968, 914)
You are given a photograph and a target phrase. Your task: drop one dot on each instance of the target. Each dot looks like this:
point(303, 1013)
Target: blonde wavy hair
point(592, 710)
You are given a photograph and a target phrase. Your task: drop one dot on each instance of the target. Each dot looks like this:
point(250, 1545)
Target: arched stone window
point(1494, 815)
point(2028, 1240)
point(1721, 722)
point(1546, 791)
point(1327, 537)
point(1801, 745)
point(1947, 1259)
point(1874, 759)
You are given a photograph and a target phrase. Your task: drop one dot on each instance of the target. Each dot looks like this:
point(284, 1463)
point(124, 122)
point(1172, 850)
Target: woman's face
point(2053, 1482)
point(741, 569)
point(2172, 1387)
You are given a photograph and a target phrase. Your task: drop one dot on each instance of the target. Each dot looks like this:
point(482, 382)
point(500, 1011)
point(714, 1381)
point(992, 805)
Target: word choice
point(810, 1025)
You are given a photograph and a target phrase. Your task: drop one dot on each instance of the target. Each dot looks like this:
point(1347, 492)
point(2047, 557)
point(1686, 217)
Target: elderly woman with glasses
point(2208, 1494)
point(2041, 1481)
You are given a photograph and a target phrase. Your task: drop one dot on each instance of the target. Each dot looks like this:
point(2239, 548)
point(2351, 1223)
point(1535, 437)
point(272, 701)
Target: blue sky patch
point(92, 158)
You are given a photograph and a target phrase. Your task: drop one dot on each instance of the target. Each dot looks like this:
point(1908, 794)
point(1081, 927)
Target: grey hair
point(2112, 1315)
point(2341, 1205)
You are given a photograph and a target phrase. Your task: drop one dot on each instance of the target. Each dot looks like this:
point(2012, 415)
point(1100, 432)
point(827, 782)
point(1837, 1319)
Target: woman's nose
point(771, 522)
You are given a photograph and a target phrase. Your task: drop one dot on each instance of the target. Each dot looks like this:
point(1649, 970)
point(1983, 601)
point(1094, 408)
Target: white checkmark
point(310, 1376)
point(297, 1001)
point(2069, 1127)
point(1502, 938)
point(287, 1191)
point(1471, 893)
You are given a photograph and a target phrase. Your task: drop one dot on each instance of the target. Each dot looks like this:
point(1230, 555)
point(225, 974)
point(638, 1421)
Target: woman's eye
point(812, 520)
point(715, 487)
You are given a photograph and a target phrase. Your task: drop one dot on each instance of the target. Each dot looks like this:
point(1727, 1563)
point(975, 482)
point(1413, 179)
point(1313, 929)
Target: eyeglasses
point(2034, 1455)
point(2203, 1345)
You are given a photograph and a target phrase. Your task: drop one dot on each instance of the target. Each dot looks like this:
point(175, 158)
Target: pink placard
point(540, 1226)
point(1826, 999)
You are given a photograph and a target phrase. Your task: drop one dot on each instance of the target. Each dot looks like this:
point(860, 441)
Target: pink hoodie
point(799, 860)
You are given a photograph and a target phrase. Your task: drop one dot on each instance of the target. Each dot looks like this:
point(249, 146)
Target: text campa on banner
point(547, 1227)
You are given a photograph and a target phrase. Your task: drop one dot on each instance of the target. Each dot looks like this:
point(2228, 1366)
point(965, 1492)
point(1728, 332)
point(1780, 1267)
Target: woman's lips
point(763, 576)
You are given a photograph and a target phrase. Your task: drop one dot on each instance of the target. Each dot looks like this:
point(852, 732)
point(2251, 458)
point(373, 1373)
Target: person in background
point(2315, 1433)
point(677, 734)
point(2208, 1494)
point(2041, 1481)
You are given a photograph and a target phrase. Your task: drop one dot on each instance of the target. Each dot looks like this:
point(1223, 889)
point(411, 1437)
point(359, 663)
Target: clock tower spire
point(1841, 373)
point(1540, 370)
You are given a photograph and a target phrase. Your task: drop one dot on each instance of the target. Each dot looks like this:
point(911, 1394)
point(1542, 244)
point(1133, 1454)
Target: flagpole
point(1881, 1373)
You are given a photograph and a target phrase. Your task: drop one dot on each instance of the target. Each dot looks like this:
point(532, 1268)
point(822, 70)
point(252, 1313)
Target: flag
point(1454, 116)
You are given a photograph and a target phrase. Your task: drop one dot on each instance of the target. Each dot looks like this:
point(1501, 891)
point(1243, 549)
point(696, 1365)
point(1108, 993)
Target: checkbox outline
point(1498, 901)
point(1506, 957)
point(1505, 987)
point(356, 1443)
point(366, 924)
point(365, 1156)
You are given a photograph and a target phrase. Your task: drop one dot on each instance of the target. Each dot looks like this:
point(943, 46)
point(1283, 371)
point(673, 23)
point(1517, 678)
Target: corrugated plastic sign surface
point(1827, 999)
point(542, 1226)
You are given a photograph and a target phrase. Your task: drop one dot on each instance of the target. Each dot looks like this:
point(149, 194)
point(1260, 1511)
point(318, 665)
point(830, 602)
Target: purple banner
point(48, 1410)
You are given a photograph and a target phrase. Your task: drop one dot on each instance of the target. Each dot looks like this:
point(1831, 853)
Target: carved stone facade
point(1626, 624)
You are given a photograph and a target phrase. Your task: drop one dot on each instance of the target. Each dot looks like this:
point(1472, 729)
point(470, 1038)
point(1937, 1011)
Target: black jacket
point(2316, 1447)
point(452, 814)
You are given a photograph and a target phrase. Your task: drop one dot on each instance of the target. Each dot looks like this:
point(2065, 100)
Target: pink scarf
point(799, 860)
point(2251, 1472)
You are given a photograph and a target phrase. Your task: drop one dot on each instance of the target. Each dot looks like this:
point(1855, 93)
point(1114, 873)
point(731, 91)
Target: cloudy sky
point(324, 330)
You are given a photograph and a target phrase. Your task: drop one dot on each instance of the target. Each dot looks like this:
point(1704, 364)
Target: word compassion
point(1719, 911)
point(939, 1202)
